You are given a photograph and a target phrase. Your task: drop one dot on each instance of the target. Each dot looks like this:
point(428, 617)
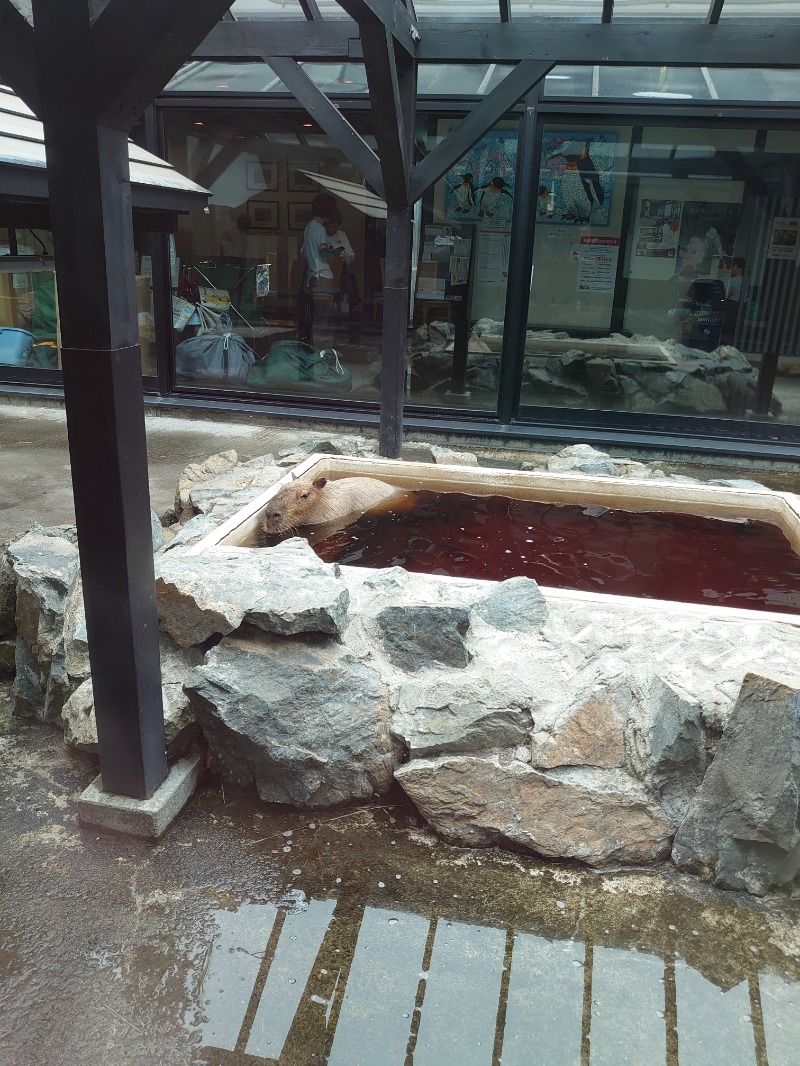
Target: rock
point(740, 483)
point(8, 594)
point(464, 715)
point(695, 396)
point(159, 540)
point(177, 666)
point(190, 533)
point(742, 823)
point(591, 733)
point(196, 472)
point(339, 444)
point(514, 606)
point(76, 640)
point(602, 377)
point(584, 459)
point(305, 721)
point(416, 637)
point(226, 494)
point(595, 816)
point(417, 451)
point(45, 567)
point(450, 457)
point(545, 383)
point(286, 589)
point(8, 653)
point(674, 753)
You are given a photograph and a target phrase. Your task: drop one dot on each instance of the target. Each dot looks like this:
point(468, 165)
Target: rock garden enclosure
point(592, 728)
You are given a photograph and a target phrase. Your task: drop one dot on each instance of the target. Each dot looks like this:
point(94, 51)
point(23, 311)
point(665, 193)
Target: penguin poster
point(577, 178)
point(480, 188)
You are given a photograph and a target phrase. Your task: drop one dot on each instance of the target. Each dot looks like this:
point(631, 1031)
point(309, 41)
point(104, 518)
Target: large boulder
point(304, 720)
point(177, 665)
point(744, 821)
point(211, 467)
point(8, 594)
point(595, 816)
point(590, 731)
point(439, 714)
point(418, 636)
point(286, 590)
point(582, 459)
point(45, 566)
point(224, 495)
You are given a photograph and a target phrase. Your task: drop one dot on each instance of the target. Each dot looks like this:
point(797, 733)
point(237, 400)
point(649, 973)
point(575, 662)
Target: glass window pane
point(579, 9)
point(467, 9)
point(459, 79)
point(210, 77)
point(461, 272)
point(649, 8)
point(244, 9)
point(569, 81)
point(769, 86)
point(666, 271)
point(290, 253)
point(760, 8)
point(664, 83)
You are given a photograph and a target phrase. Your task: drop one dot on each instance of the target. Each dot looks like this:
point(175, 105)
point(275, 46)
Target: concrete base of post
point(141, 818)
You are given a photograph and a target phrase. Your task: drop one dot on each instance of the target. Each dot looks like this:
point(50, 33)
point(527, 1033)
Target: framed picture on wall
point(261, 175)
point(299, 215)
point(263, 214)
point(299, 181)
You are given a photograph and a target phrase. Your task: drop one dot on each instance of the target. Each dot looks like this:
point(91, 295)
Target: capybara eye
point(305, 496)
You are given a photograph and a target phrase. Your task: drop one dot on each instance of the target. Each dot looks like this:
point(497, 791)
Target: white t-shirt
point(314, 237)
point(337, 241)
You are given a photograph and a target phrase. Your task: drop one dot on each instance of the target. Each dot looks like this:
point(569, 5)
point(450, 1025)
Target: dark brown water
point(655, 556)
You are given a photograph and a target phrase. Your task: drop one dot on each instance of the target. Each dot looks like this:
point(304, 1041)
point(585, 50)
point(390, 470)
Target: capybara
point(320, 502)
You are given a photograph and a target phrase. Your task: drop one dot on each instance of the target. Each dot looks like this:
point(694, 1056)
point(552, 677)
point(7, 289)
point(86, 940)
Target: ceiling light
point(199, 123)
point(665, 96)
point(559, 77)
point(222, 85)
point(308, 125)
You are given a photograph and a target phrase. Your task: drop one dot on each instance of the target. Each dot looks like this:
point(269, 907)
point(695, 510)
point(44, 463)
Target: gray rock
point(584, 459)
point(451, 457)
point(305, 721)
point(338, 444)
point(740, 483)
point(8, 594)
point(76, 640)
point(8, 655)
point(191, 532)
point(177, 666)
point(742, 824)
point(670, 752)
point(159, 540)
point(514, 606)
point(416, 637)
point(417, 451)
point(602, 377)
point(196, 472)
point(286, 589)
point(28, 690)
point(226, 494)
point(461, 715)
point(546, 383)
point(597, 816)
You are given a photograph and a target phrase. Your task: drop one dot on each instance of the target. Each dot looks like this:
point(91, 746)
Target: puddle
point(254, 935)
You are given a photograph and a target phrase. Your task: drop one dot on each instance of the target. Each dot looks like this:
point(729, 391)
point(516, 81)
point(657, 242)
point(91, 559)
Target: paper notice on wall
point(459, 269)
point(784, 240)
point(492, 266)
point(597, 264)
point(262, 279)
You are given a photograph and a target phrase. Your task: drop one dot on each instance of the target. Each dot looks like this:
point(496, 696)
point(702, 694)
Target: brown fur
point(321, 502)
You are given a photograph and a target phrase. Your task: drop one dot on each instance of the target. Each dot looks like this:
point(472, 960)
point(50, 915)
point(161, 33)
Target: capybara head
point(293, 506)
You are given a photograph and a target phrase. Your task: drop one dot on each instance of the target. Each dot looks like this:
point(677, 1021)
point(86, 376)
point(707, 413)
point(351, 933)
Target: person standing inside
point(314, 299)
point(733, 296)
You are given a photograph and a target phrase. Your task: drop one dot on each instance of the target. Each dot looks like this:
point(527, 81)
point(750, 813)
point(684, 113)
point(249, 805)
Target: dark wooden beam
point(90, 208)
point(714, 11)
point(310, 10)
point(138, 45)
point(17, 57)
point(608, 11)
point(347, 139)
point(505, 10)
point(396, 304)
point(388, 116)
point(490, 110)
point(628, 42)
point(387, 14)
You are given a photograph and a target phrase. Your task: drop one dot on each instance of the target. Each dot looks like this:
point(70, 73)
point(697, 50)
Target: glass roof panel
point(460, 9)
point(578, 9)
point(761, 8)
point(244, 9)
point(673, 8)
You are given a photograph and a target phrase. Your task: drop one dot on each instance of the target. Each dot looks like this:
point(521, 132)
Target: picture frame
point(298, 182)
point(261, 175)
point(263, 214)
point(299, 214)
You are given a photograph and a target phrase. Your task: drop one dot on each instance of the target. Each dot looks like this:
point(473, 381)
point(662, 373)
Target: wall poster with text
point(576, 178)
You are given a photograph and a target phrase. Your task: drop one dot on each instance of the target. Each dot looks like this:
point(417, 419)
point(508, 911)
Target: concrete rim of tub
point(781, 509)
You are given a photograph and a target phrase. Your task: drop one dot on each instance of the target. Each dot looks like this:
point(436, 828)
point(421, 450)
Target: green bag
point(295, 366)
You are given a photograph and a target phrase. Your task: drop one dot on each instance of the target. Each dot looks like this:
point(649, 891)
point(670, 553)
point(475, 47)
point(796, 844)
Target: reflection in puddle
point(327, 982)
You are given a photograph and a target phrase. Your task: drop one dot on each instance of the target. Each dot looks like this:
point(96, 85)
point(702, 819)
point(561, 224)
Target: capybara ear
point(320, 482)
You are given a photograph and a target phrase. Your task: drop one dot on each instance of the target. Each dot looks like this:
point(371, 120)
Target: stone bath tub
point(606, 729)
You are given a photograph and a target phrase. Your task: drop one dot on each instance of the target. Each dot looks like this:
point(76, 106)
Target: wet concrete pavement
point(252, 935)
